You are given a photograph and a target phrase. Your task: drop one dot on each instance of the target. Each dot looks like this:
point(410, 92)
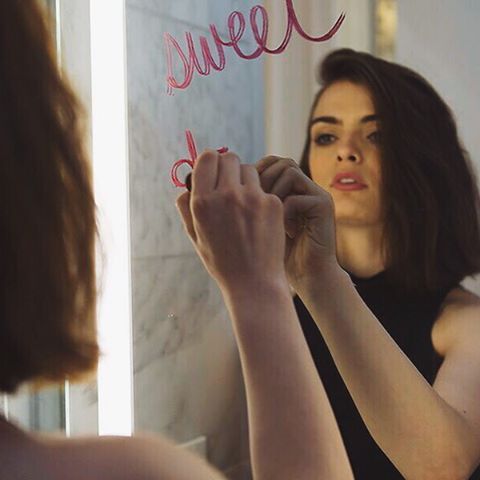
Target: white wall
point(438, 38)
point(290, 78)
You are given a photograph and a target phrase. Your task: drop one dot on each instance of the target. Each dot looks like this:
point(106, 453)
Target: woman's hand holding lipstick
point(309, 220)
point(236, 228)
point(192, 150)
point(308, 214)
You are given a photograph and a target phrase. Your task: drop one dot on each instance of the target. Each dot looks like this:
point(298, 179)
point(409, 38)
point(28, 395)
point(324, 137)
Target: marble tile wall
point(187, 378)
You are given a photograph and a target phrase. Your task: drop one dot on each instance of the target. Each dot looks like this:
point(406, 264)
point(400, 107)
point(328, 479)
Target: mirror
point(187, 380)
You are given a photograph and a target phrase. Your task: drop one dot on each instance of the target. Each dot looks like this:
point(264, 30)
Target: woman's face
point(344, 156)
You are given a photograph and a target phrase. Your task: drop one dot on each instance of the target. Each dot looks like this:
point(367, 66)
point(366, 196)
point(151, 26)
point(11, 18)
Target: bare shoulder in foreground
point(145, 457)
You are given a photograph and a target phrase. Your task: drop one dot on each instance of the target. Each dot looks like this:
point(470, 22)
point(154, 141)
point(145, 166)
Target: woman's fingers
point(292, 181)
point(228, 171)
point(221, 171)
point(266, 162)
point(214, 171)
point(205, 173)
point(270, 170)
point(283, 177)
point(236, 227)
point(183, 205)
point(249, 176)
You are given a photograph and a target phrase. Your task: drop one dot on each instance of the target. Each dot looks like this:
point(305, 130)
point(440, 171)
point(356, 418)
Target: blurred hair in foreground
point(47, 212)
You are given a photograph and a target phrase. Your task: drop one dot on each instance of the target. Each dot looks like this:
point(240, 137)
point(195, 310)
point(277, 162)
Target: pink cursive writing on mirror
point(192, 150)
point(236, 28)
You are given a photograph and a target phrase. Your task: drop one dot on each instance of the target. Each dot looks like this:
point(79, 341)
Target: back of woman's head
point(429, 193)
point(47, 212)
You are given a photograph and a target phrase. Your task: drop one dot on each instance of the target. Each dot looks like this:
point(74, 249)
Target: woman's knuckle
point(207, 156)
point(230, 157)
point(272, 201)
point(252, 199)
point(200, 205)
point(231, 197)
point(292, 171)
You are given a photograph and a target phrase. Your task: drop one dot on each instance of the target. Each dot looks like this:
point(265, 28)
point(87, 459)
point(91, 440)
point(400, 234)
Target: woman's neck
point(360, 249)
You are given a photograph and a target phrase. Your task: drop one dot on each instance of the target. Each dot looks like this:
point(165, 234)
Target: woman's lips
point(348, 188)
point(348, 181)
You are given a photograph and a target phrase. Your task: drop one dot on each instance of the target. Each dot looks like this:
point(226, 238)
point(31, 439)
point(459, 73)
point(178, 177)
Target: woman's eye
point(375, 137)
point(324, 139)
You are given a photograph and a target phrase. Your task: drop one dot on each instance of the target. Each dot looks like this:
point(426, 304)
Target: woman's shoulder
point(458, 319)
point(143, 457)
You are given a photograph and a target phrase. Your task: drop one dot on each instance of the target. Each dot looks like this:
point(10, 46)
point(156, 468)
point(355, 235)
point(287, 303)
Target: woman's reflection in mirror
point(393, 334)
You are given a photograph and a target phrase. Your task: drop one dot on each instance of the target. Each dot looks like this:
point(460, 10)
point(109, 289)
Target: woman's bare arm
point(293, 432)
point(143, 457)
point(423, 432)
point(239, 233)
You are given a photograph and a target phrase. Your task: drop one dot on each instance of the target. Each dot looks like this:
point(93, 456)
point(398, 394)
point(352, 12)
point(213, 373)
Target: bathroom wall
point(438, 38)
point(187, 379)
point(290, 78)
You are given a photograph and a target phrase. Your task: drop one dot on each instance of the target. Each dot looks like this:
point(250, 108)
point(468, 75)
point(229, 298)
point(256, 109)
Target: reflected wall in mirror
point(187, 379)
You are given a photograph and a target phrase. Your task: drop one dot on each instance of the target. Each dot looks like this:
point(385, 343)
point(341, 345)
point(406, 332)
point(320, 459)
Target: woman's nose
point(348, 151)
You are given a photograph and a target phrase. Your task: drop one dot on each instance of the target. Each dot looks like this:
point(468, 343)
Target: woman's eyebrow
point(369, 118)
point(330, 120)
point(336, 121)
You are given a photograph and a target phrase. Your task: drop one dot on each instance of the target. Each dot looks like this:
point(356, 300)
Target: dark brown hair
point(47, 211)
point(430, 196)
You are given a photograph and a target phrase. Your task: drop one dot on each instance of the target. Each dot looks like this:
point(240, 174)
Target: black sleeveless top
point(409, 321)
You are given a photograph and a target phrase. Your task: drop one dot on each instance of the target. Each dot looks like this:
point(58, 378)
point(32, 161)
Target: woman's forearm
point(420, 433)
point(293, 433)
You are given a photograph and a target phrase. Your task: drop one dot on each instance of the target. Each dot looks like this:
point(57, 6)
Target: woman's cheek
point(320, 171)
